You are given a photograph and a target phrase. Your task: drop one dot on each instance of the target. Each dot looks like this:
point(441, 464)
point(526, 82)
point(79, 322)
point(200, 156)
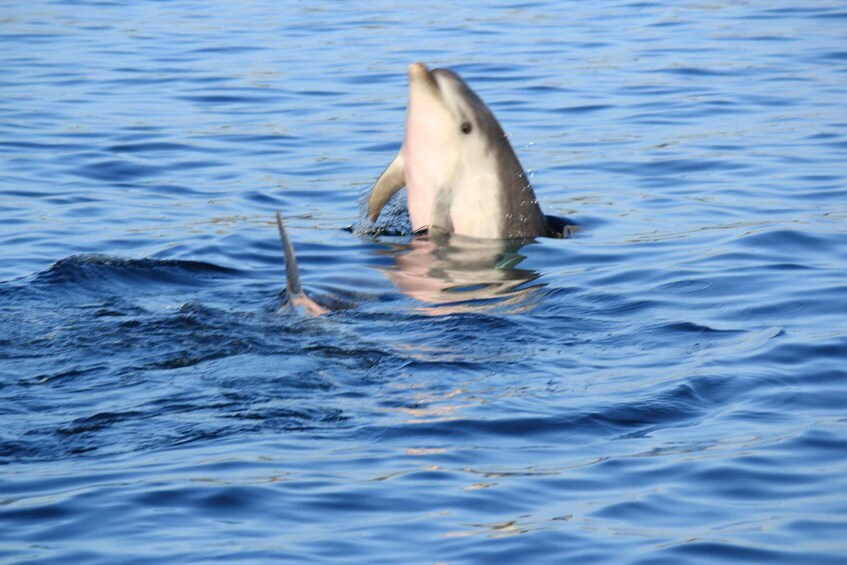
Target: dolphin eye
point(466, 127)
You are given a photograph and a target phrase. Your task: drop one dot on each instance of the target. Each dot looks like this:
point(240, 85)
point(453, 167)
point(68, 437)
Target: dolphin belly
point(476, 211)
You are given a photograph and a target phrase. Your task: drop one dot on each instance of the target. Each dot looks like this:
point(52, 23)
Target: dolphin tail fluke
point(296, 295)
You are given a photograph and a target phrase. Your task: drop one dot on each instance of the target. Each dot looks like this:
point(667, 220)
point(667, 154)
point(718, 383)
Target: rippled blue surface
point(666, 386)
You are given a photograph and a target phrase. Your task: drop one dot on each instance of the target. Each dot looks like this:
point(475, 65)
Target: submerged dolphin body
point(460, 172)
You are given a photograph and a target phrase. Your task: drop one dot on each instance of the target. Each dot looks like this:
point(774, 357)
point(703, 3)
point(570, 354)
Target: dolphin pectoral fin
point(392, 179)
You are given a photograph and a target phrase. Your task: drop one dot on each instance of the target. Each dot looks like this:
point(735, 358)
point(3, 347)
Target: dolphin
point(460, 172)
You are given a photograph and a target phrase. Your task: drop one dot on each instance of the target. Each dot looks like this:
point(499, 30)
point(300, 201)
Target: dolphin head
point(455, 154)
point(442, 106)
point(461, 174)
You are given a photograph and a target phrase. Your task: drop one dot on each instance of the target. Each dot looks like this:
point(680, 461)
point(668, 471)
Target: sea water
point(668, 385)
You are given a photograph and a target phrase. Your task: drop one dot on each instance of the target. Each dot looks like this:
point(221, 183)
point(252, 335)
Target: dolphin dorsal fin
point(296, 296)
point(392, 179)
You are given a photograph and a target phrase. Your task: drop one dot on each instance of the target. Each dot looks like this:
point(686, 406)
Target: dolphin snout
point(417, 71)
point(421, 78)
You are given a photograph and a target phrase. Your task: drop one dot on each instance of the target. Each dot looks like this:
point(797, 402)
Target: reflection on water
point(453, 274)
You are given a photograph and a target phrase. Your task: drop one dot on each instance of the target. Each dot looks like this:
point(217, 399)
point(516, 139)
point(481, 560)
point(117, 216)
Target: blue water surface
point(669, 385)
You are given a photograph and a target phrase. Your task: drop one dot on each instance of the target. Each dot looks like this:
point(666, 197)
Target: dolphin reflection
point(448, 273)
point(452, 273)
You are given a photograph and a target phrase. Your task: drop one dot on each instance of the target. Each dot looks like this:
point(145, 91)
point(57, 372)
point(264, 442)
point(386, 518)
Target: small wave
point(116, 170)
point(79, 268)
point(152, 147)
point(787, 241)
